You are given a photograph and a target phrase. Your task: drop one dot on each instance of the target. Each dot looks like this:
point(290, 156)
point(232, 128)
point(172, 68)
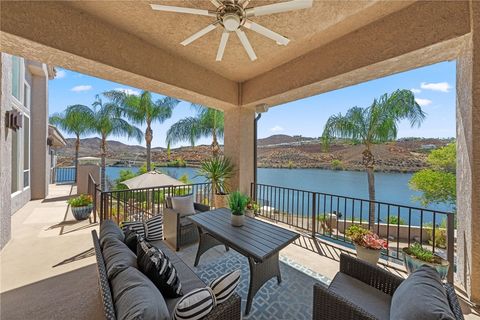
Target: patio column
point(468, 159)
point(238, 141)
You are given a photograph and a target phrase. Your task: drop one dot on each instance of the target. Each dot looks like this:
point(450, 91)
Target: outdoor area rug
point(292, 299)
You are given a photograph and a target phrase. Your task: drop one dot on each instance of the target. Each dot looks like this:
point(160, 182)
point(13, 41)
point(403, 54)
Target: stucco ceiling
point(307, 29)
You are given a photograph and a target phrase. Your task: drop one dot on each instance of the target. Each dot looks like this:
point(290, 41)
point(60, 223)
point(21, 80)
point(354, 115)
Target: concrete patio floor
point(50, 263)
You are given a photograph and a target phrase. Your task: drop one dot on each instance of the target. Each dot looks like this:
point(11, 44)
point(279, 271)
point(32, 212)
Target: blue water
point(390, 187)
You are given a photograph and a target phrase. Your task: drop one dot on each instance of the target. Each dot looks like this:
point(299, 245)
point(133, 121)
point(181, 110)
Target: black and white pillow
point(144, 248)
point(154, 228)
point(160, 270)
point(131, 239)
point(195, 305)
point(136, 226)
point(224, 286)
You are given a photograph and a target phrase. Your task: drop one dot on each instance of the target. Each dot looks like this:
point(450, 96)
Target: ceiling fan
point(233, 16)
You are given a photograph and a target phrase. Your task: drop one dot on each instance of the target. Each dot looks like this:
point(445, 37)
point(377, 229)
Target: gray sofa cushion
point(136, 297)
point(117, 257)
point(109, 229)
point(367, 298)
point(421, 296)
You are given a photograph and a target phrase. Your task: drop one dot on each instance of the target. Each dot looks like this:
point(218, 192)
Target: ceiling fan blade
point(201, 12)
point(279, 7)
point(246, 44)
point(244, 3)
point(216, 3)
point(266, 32)
point(223, 44)
point(199, 34)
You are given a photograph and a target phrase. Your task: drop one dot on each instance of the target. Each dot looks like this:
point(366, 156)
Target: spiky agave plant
point(217, 171)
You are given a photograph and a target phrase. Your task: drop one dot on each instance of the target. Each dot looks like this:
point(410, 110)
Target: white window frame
point(21, 81)
point(18, 173)
point(29, 152)
point(28, 101)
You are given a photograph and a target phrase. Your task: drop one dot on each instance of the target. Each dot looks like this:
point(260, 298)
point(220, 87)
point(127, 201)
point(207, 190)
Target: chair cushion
point(109, 229)
point(136, 226)
point(131, 240)
point(161, 271)
point(421, 296)
point(183, 205)
point(136, 297)
point(154, 228)
point(224, 286)
point(195, 305)
point(365, 297)
point(117, 257)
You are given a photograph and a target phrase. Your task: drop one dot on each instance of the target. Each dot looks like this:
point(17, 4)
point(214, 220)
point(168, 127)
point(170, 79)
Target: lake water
point(390, 187)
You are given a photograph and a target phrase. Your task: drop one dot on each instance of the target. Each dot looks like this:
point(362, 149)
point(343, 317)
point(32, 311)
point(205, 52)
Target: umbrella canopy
point(152, 179)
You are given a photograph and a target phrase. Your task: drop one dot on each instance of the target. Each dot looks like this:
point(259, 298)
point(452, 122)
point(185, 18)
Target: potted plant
point(237, 202)
point(253, 208)
point(81, 206)
point(416, 256)
point(217, 170)
point(367, 244)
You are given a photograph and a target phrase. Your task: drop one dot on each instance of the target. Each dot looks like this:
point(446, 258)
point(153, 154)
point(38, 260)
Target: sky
point(433, 86)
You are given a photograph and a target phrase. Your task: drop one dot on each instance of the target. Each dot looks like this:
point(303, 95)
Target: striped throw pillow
point(224, 286)
point(136, 226)
point(160, 270)
point(154, 228)
point(195, 305)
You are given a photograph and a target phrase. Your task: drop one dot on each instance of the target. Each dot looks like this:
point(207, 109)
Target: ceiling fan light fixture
point(231, 22)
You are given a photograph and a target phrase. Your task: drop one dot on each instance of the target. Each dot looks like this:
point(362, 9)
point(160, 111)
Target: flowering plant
point(80, 201)
point(365, 238)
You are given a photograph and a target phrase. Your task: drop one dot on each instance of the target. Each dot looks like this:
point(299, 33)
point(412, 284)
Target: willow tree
point(109, 122)
point(75, 120)
point(207, 123)
point(376, 124)
point(142, 110)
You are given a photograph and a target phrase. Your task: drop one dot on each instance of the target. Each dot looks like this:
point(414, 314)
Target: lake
point(390, 187)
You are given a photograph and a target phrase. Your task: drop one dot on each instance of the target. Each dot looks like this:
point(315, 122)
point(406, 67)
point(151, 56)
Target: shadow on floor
point(57, 199)
point(82, 255)
point(73, 295)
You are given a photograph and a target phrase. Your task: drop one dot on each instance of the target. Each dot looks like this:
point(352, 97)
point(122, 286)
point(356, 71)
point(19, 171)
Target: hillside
point(277, 151)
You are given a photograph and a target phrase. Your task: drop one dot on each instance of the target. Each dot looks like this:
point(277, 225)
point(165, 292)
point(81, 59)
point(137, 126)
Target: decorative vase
point(237, 220)
point(220, 200)
point(369, 255)
point(83, 212)
point(412, 264)
point(250, 213)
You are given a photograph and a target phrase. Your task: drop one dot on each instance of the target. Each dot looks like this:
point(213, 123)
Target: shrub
point(396, 221)
point(337, 164)
point(80, 201)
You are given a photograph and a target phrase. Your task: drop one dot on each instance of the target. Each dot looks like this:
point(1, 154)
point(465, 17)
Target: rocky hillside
point(278, 151)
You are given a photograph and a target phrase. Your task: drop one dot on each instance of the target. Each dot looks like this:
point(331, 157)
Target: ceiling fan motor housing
point(231, 16)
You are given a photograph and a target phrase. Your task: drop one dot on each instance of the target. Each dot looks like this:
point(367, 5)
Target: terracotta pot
point(82, 213)
point(220, 200)
point(369, 255)
point(237, 220)
point(412, 264)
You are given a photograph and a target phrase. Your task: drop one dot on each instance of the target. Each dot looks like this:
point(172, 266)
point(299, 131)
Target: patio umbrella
point(152, 179)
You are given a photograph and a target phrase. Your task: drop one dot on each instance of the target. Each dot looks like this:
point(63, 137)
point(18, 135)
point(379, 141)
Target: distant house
point(428, 146)
point(27, 141)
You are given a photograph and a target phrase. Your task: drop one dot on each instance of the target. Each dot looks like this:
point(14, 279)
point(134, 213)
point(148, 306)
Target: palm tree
point(77, 120)
point(141, 109)
point(207, 123)
point(375, 124)
point(109, 121)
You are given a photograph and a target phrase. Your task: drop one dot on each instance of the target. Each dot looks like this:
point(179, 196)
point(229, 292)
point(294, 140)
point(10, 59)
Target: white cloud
point(128, 91)
point(60, 74)
point(423, 102)
point(277, 129)
point(438, 86)
point(81, 88)
point(415, 90)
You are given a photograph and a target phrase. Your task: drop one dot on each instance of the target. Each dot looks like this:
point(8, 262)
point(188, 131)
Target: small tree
point(438, 183)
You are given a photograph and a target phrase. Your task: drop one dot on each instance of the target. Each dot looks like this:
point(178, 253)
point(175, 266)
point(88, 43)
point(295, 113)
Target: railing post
point(314, 213)
point(450, 245)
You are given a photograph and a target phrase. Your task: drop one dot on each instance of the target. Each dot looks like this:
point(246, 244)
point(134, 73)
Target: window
point(26, 95)
point(17, 77)
point(26, 152)
point(15, 165)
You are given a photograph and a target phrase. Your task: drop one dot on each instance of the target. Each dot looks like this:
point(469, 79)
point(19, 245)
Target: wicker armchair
point(330, 305)
point(177, 230)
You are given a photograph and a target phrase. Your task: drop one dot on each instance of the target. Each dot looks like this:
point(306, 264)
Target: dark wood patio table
point(257, 240)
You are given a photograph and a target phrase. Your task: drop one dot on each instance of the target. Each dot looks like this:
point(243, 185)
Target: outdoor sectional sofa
point(361, 291)
point(228, 310)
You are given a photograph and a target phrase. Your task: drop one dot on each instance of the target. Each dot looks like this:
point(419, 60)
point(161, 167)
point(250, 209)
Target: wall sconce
point(14, 119)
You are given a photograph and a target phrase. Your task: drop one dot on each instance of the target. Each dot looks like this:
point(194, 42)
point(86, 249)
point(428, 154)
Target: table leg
point(206, 242)
point(261, 272)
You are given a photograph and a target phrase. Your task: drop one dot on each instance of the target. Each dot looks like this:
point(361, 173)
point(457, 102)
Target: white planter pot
point(237, 220)
point(369, 255)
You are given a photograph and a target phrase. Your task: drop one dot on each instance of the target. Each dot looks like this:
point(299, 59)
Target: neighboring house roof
point(55, 138)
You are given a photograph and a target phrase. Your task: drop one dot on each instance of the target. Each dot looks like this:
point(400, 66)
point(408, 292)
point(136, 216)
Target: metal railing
point(328, 216)
point(65, 175)
point(143, 203)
